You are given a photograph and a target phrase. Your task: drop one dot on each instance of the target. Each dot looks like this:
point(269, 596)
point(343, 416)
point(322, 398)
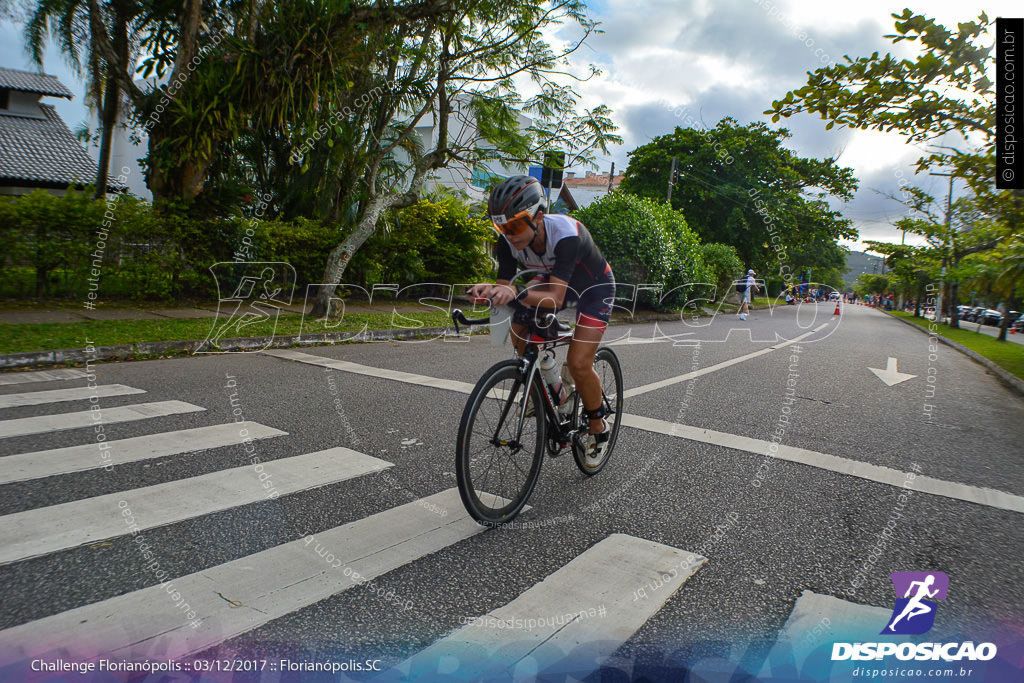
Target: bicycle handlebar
point(459, 317)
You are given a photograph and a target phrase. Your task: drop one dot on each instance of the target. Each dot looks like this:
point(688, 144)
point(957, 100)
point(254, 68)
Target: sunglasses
point(513, 226)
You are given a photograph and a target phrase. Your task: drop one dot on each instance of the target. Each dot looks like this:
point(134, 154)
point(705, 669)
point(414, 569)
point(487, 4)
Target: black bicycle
point(512, 415)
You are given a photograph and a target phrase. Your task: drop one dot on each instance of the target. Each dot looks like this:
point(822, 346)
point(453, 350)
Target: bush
point(52, 235)
point(166, 253)
point(647, 243)
point(431, 241)
point(72, 245)
point(304, 243)
point(724, 266)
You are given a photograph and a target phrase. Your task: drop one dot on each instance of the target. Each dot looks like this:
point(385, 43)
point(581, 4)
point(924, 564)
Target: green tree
point(909, 269)
point(943, 97)
point(70, 23)
point(459, 72)
point(724, 266)
point(738, 185)
point(871, 283)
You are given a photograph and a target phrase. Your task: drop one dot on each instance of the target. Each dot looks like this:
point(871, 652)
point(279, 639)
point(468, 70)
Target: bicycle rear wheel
point(606, 364)
point(495, 470)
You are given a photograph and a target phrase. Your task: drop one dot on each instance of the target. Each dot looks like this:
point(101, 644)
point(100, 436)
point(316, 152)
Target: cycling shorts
point(594, 304)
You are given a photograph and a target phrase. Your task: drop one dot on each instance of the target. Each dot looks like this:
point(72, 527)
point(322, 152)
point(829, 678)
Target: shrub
point(431, 241)
point(304, 243)
point(52, 235)
point(166, 252)
point(647, 243)
point(724, 266)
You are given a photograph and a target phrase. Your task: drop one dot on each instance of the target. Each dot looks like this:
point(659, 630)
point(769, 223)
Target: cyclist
point(573, 270)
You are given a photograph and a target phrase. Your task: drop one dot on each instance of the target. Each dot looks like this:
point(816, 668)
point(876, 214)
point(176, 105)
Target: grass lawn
point(1008, 355)
point(47, 336)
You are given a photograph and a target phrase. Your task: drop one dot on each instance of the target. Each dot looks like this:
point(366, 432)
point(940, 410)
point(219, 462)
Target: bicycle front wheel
point(606, 365)
point(497, 463)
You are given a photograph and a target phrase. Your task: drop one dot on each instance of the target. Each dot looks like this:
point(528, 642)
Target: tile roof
point(42, 151)
point(32, 82)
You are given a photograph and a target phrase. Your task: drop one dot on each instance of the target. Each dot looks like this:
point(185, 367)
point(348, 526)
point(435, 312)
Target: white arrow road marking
point(890, 376)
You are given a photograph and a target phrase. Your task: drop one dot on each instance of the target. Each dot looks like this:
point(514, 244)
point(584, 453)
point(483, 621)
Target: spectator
point(751, 287)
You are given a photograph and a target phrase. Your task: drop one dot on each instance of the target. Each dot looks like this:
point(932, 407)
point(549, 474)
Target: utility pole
point(611, 178)
point(945, 248)
point(671, 180)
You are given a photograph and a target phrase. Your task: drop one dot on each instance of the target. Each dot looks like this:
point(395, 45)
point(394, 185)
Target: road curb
point(1009, 378)
point(163, 349)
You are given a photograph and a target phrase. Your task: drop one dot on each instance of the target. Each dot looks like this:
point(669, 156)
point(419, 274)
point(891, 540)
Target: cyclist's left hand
point(502, 294)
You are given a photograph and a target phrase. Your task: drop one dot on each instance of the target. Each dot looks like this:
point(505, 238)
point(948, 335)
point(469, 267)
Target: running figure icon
point(914, 609)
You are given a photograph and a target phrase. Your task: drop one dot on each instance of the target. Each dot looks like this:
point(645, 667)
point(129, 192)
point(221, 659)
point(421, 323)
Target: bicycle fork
point(515, 444)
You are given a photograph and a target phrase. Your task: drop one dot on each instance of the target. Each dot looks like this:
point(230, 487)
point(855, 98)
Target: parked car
point(992, 317)
point(974, 313)
point(962, 311)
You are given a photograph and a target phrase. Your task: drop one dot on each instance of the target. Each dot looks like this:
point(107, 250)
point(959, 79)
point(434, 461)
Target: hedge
point(67, 246)
point(647, 242)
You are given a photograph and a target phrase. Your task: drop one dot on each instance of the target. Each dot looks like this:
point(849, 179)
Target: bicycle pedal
point(556, 452)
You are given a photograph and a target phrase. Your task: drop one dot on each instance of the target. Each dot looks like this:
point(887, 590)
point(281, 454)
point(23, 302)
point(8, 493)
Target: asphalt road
point(770, 527)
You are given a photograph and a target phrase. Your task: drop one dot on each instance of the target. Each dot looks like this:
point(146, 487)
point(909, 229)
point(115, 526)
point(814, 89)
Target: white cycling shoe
point(596, 445)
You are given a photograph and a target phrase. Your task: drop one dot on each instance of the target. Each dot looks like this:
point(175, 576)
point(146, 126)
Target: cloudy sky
point(664, 60)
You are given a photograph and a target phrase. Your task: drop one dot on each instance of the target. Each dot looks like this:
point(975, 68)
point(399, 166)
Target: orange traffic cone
point(836, 312)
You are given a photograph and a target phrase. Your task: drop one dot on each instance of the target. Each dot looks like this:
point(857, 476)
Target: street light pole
point(945, 245)
point(671, 180)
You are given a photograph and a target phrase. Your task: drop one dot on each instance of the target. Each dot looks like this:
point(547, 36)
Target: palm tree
point(70, 23)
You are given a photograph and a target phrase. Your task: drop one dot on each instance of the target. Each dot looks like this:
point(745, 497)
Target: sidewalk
point(27, 316)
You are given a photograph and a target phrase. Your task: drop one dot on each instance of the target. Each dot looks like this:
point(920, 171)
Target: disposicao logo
point(914, 614)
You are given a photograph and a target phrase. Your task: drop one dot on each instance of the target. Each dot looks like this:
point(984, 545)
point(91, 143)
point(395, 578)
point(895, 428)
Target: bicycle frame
point(534, 345)
point(530, 369)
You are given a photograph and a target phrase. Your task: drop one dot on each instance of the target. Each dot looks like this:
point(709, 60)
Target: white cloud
point(733, 58)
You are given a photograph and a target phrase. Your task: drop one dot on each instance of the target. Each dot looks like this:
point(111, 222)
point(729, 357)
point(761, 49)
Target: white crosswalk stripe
point(383, 373)
point(8, 378)
point(36, 398)
point(54, 423)
point(815, 622)
point(586, 610)
point(85, 457)
point(241, 595)
point(58, 527)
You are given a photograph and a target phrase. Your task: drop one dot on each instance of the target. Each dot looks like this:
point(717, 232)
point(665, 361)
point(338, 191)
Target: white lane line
point(37, 398)
point(68, 525)
point(40, 376)
point(882, 475)
point(355, 368)
point(832, 463)
point(89, 456)
point(654, 386)
point(55, 423)
point(814, 624)
point(246, 593)
point(465, 388)
point(587, 610)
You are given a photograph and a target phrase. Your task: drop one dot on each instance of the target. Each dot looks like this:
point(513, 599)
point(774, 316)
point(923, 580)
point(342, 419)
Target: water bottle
point(568, 387)
point(549, 371)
